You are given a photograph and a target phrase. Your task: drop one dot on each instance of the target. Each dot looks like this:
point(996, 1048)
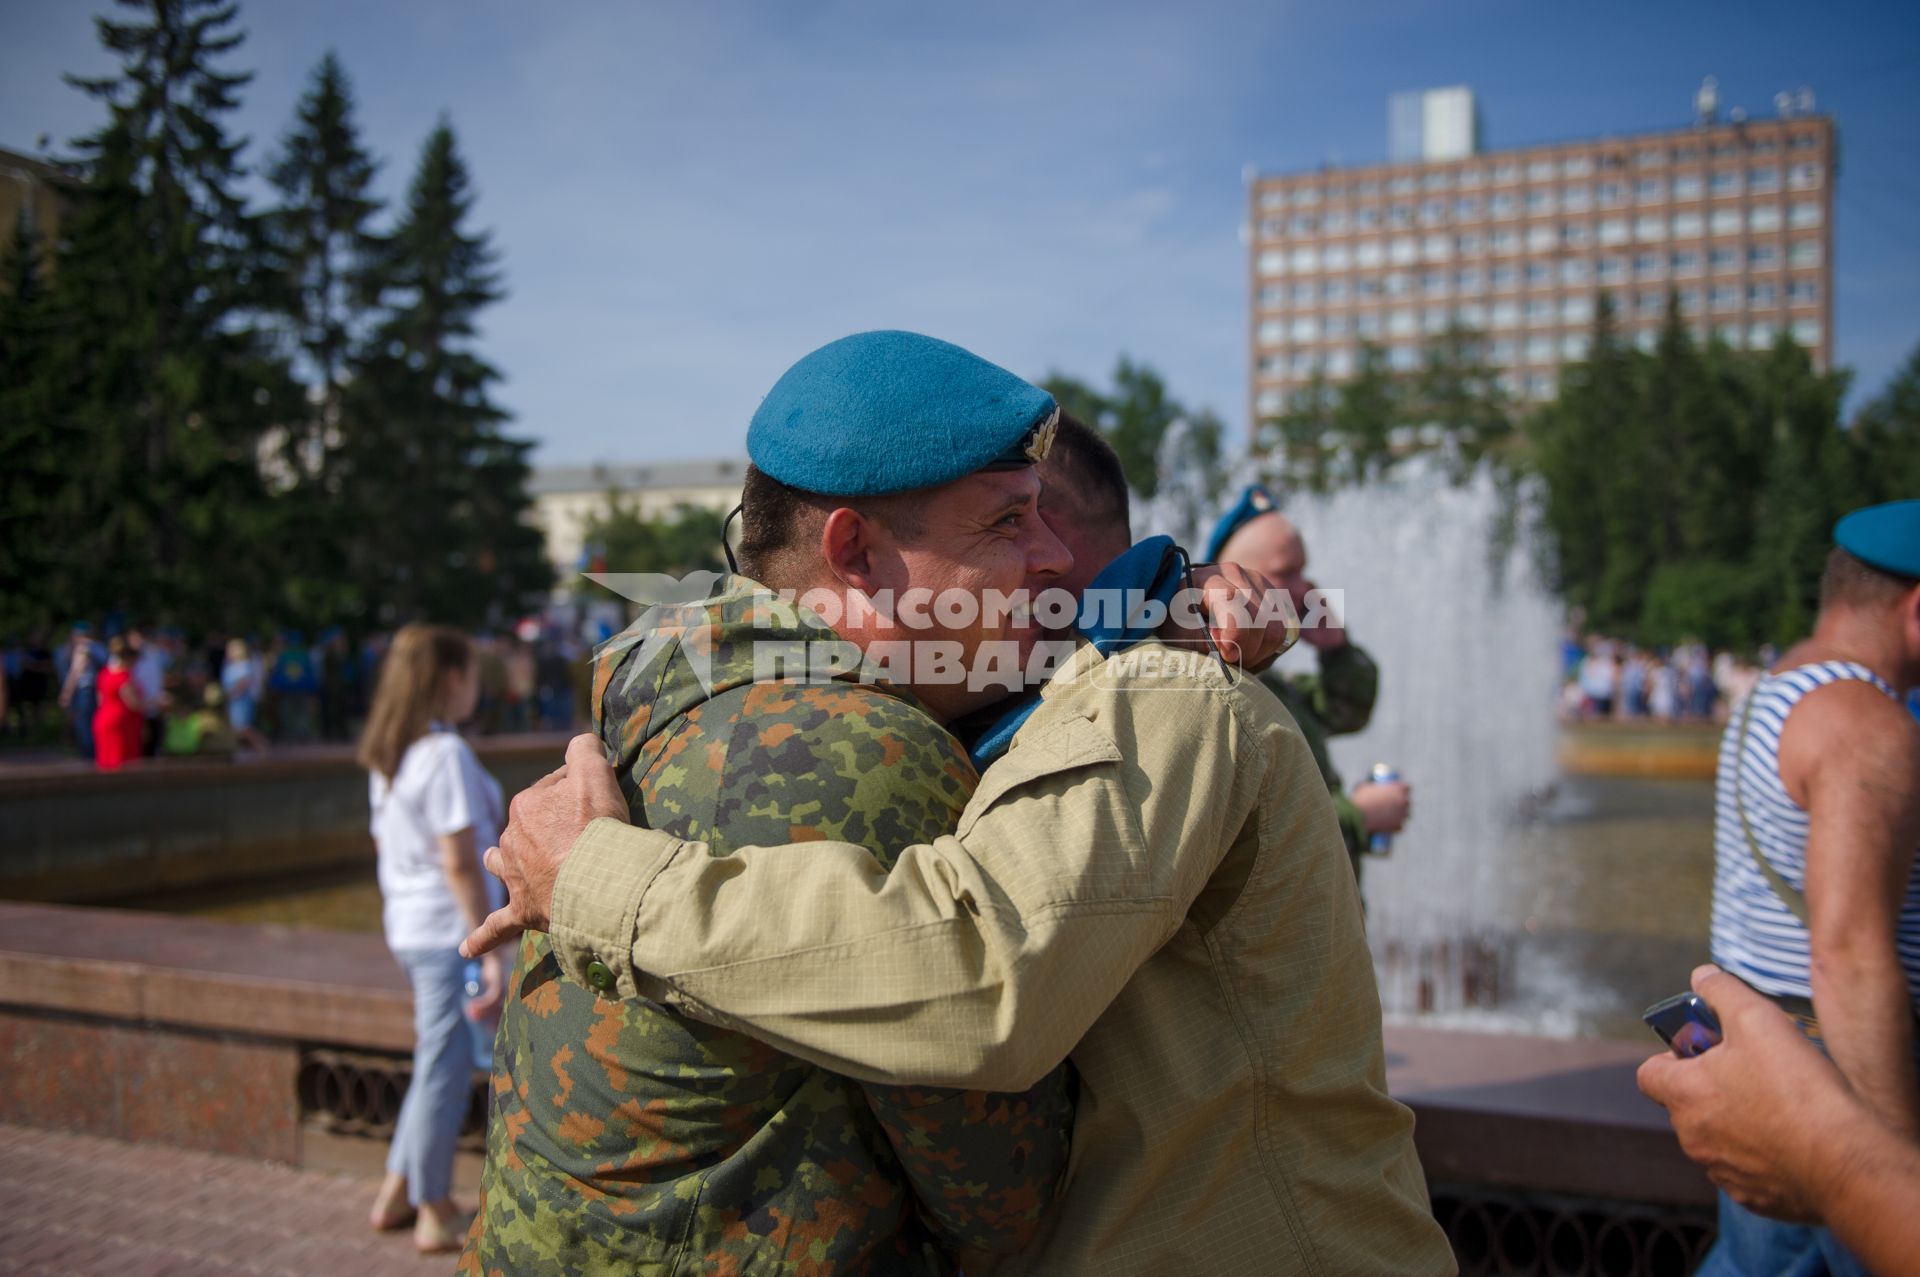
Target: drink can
point(1382, 774)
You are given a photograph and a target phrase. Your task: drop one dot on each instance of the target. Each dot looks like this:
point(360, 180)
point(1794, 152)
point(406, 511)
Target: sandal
point(434, 1236)
point(391, 1209)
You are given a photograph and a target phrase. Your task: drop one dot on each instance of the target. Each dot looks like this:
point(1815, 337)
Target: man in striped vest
point(1816, 899)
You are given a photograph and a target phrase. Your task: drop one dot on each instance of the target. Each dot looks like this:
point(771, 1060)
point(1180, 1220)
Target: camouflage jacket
point(625, 1138)
point(1336, 701)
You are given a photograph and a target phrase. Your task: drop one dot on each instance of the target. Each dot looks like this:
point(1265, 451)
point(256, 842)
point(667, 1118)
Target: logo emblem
point(1040, 441)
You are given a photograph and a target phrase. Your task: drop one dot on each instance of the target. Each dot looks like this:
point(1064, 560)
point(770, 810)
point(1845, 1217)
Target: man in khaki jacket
point(1151, 879)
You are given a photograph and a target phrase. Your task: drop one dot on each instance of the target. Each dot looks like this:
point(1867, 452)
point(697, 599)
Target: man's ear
point(847, 544)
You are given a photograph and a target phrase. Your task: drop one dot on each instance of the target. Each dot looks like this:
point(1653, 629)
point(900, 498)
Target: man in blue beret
point(1148, 877)
point(626, 1137)
point(1816, 899)
point(1336, 700)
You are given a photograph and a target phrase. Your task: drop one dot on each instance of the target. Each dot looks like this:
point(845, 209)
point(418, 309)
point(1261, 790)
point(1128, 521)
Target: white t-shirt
point(440, 788)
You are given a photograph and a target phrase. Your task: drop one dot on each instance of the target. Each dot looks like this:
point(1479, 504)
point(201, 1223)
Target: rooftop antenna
point(1706, 102)
point(1803, 102)
point(1783, 103)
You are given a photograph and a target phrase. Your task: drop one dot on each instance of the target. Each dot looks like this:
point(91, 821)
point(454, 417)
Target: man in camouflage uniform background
point(627, 1138)
point(1335, 701)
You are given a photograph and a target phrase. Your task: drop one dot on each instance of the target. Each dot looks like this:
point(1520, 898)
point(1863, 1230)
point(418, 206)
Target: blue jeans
point(1752, 1245)
point(80, 714)
point(436, 1102)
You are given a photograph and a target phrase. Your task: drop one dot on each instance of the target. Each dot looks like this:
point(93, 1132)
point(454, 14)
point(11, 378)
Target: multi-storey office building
point(1736, 218)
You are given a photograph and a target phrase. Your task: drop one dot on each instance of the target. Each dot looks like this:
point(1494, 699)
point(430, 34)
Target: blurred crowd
point(1607, 678)
point(118, 692)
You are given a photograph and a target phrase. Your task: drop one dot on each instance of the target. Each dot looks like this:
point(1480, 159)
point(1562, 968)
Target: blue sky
point(689, 196)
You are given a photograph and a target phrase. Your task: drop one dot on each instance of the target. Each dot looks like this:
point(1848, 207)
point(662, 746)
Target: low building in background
point(1734, 216)
point(567, 498)
point(33, 191)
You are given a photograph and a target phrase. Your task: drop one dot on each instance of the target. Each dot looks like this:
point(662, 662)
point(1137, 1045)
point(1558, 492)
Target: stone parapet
point(69, 832)
point(195, 1032)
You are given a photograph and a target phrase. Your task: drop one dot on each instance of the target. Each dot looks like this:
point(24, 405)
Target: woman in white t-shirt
point(435, 810)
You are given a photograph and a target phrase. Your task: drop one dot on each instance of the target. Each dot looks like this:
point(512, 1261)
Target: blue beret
point(893, 411)
point(1254, 501)
point(1887, 536)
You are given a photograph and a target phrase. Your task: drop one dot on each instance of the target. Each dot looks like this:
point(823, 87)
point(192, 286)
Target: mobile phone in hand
point(1684, 1023)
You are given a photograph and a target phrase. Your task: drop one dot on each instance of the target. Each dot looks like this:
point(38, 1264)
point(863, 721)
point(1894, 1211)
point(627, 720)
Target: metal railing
point(1494, 1232)
point(359, 1092)
point(1519, 1234)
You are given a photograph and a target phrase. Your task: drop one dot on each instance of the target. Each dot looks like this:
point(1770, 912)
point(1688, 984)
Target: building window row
point(1507, 353)
point(1408, 250)
point(1508, 208)
point(1726, 180)
point(1537, 313)
point(1430, 320)
point(1760, 335)
point(1541, 354)
point(1571, 272)
point(1722, 297)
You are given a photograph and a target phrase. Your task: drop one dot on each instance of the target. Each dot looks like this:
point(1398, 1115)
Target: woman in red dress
point(118, 722)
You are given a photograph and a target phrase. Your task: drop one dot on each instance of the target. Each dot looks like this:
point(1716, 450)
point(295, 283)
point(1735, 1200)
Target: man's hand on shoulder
point(1230, 599)
point(543, 822)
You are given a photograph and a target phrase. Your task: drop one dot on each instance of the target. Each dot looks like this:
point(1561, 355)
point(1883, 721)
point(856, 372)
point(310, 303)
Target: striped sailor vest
point(1760, 930)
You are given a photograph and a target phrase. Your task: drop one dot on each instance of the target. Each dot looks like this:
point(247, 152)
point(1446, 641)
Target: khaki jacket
point(1152, 880)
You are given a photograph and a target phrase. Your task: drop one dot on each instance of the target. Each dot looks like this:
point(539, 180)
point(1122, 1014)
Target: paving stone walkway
point(80, 1206)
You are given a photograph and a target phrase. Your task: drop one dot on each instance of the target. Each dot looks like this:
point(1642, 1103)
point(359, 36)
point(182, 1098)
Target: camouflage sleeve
point(985, 1166)
point(1342, 694)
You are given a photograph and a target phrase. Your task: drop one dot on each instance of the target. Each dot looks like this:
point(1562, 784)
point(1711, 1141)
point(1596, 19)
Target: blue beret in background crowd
point(1254, 501)
point(1887, 536)
point(893, 411)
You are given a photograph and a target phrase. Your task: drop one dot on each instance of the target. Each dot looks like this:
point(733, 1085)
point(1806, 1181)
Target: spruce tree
point(1885, 438)
point(438, 493)
point(1577, 447)
point(324, 248)
point(36, 585)
point(154, 365)
point(1809, 484)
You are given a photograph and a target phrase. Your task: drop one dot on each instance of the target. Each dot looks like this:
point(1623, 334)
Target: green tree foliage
point(1810, 480)
point(1887, 431)
point(1304, 439)
point(1456, 399)
point(325, 248)
point(33, 451)
point(1353, 431)
point(1155, 436)
point(1691, 491)
point(234, 420)
point(618, 538)
point(152, 373)
point(1364, 415)
point(437, 489)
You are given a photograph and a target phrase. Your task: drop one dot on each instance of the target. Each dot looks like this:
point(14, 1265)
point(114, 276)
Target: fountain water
point(1467, 638)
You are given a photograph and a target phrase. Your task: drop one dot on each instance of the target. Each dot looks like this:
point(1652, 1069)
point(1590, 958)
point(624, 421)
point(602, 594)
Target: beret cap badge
point(1040, 442)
